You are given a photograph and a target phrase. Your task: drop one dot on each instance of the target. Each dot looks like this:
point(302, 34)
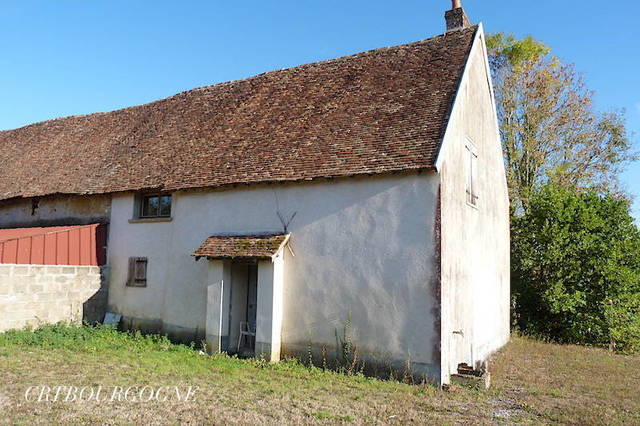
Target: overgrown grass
point(102, 339)
point(90, 339)
point(533, 382)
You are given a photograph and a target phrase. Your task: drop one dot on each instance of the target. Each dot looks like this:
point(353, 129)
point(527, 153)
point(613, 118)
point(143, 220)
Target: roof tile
point(241, 247)
point(379, 111)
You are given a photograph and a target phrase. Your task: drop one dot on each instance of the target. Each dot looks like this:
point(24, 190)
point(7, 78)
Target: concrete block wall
point(95, 307)
point(38, 294)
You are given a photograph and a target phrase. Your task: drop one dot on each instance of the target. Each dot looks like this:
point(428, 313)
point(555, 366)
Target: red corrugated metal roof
point(58, 245)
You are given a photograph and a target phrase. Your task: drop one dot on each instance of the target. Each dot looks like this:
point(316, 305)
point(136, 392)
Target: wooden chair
point(246, 329)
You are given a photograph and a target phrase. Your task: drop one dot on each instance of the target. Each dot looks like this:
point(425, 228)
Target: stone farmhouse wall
point(32, 295)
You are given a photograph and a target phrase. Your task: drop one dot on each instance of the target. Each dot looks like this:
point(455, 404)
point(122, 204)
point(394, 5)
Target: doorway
point(243, 308)
point(252, 298)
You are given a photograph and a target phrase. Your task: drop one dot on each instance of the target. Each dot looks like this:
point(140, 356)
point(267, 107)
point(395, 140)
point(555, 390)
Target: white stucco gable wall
point(475, 240)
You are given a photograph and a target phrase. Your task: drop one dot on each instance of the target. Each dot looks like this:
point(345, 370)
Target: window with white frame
point(472, 174)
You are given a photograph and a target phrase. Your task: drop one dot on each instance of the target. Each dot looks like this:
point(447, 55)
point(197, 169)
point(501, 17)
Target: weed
point(347, 359)
point(324, 415)
point(320, 415)
point(325, 363)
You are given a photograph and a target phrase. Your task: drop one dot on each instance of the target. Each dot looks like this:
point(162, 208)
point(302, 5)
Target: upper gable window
point(471, 167)
point(154, 205)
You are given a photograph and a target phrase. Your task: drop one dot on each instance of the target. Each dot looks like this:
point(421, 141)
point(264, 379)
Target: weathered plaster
point(270, 307)
point(55, 210)
point(363, 247)
point(216, 309)
point(475, 241)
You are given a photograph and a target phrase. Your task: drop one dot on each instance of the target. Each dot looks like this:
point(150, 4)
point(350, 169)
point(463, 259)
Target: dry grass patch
point(569, 384)
point(534, 382)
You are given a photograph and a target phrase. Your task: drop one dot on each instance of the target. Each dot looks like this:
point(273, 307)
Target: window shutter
point(140, 272)
point(137, 275)
point(132, 267)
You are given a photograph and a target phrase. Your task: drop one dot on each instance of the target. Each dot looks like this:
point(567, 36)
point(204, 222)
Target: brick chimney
point(456, 17)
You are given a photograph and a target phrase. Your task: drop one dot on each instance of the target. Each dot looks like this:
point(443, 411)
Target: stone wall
point(60, 210)
point(37, 294)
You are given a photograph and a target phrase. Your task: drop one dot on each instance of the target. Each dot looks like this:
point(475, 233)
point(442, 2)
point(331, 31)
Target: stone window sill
point(151, 220)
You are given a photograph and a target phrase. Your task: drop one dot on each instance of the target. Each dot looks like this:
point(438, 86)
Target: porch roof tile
point(241, 246)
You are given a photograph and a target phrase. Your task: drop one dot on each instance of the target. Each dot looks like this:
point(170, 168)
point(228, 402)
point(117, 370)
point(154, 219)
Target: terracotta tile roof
point(379, 111)
point(241, 247)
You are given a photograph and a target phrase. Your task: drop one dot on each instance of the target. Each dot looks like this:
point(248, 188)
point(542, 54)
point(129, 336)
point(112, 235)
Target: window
point(157, 205)
point(137, 272)
point(472, 174)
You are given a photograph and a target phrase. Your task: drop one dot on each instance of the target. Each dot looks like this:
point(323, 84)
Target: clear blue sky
point(67, 57)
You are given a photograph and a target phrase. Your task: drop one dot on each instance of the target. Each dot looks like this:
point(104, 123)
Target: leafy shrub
point(576, 269)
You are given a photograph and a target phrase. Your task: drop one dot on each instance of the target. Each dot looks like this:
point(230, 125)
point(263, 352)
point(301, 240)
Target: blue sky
point(67, 57)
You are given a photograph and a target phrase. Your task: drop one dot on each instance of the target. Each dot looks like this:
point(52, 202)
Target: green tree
point(549, 128)
point(576, 269)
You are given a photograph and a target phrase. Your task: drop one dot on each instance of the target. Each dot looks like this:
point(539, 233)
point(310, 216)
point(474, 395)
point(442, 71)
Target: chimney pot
point(456, 18)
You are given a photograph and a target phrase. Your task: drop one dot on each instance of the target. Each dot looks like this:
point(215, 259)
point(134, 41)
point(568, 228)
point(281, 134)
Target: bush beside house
point(576, 269)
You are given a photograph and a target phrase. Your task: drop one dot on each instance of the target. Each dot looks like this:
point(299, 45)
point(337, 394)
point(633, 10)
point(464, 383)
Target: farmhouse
point(265, 215)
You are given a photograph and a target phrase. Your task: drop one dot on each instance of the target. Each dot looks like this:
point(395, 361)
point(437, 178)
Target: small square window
point(137, 276)
point(155, 206)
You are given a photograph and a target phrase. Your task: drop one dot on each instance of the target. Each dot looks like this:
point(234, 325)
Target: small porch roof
point(263, 246)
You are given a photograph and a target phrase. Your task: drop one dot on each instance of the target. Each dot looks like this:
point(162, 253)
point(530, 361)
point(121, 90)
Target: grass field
point(532, 382)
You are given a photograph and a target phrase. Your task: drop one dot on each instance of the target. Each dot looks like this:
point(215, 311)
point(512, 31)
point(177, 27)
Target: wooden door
point(252, 296)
